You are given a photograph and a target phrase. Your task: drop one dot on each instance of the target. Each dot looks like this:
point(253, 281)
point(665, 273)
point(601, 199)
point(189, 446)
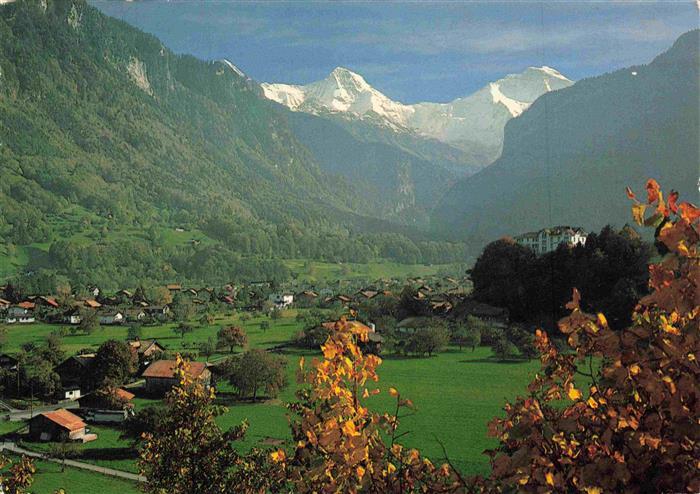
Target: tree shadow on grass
point(125, 453)
point(491, 360)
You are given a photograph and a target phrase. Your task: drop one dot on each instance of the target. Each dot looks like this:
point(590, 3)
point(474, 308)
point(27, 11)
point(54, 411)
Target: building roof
point(124, 394)
point(65, 419)
point(166, 369)
point(26, 305)
point(4, 302)
point(94, 304)
point(174, 286)
point(50, 301)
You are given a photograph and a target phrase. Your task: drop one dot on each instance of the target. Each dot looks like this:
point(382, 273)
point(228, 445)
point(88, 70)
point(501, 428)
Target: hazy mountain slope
point(568, 158)
point(473, 124)
point(404, 185)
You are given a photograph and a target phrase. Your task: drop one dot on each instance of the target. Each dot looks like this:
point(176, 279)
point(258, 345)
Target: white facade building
point(281, 300)
point(548, 239)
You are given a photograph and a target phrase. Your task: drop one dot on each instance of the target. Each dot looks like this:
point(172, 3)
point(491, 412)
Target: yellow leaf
point(635, 369)
point(574, 394)
point(549, 478)
point(393, 392)
point(592, 403)
point(360, 471)
point(278, 456)
point(349, 429)
point(593, 490)
point(523, 480)
point(638, 213)
point(602, 320)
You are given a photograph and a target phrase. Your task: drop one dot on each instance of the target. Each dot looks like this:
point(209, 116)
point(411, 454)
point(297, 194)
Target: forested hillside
point(110, 142)
point(567, 159)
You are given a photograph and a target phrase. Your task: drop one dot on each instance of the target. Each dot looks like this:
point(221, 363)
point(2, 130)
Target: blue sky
point(431, 51)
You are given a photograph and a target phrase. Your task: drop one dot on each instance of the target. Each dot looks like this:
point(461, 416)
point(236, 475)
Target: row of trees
point(610, 271)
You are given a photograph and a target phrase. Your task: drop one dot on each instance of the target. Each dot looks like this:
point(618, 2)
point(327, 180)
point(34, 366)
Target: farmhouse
point(281, 300)
point(22, 313)
point(160, 375)
point(4, 304)
point(59, 425)
point(548, 239)
point(72, 316)
point(157, 310)
point(111, 317)
point(107, 406)
point(75, 374)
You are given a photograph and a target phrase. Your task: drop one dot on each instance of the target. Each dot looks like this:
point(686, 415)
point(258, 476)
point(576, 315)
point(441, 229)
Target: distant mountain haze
point(568, 158)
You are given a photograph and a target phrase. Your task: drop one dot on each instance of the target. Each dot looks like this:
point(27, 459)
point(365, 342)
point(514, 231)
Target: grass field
point(49, 478)
point(314, 271)
point(456, 393)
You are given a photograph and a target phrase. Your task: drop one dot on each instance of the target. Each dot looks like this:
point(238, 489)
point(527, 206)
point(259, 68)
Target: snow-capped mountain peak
point(477, 119)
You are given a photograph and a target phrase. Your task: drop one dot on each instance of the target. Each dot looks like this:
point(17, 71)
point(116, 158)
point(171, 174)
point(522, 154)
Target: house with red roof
point(59, 425)
point(160, 375)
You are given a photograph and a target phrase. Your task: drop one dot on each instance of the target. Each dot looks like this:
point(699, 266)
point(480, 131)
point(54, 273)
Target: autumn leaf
point(549, 478)
point(393, 392)
point(575, 300)
point(573, 393)
point(689, 212)
point(602, 320)
point(278, 456)
point(630, 194)
point(653, 190)
point(638, 213)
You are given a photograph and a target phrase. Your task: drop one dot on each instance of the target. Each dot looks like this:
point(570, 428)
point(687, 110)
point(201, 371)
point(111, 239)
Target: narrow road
point(16, 415)
point(75, 464)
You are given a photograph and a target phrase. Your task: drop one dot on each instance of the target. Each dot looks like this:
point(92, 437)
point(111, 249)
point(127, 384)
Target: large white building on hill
point(548, 239)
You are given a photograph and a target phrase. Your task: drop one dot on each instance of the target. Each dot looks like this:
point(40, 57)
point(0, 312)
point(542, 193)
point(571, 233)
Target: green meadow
point(455, 393)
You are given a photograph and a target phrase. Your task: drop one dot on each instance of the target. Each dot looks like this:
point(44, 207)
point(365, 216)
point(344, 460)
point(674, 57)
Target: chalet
point(160, 375)
point(174, 287)
point(134, 315)
point(486, 312)
point(281, 300)
point(112, 317)
point(108, 406)
point(4, 304)
point(59, 425)
point(157, 310)
point(92, 304)
point(47, 302)
point(93, 290)
point(76, 374)
point(22, 313)
point(367, 294)
point(308, 295)
point(548, 239)
point(413, 324)
point(126, 294)
point(145, 350)
point(72, 316)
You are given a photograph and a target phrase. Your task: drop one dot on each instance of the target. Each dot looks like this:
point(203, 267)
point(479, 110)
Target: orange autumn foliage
point(343, 446)
point(635, 429)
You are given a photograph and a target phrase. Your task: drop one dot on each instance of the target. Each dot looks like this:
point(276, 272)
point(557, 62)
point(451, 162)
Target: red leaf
point(630, 194)
point(652, 190)
point(689, 211)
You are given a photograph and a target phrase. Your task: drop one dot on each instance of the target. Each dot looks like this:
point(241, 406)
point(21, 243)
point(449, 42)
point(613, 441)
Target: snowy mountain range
point(475, 121)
